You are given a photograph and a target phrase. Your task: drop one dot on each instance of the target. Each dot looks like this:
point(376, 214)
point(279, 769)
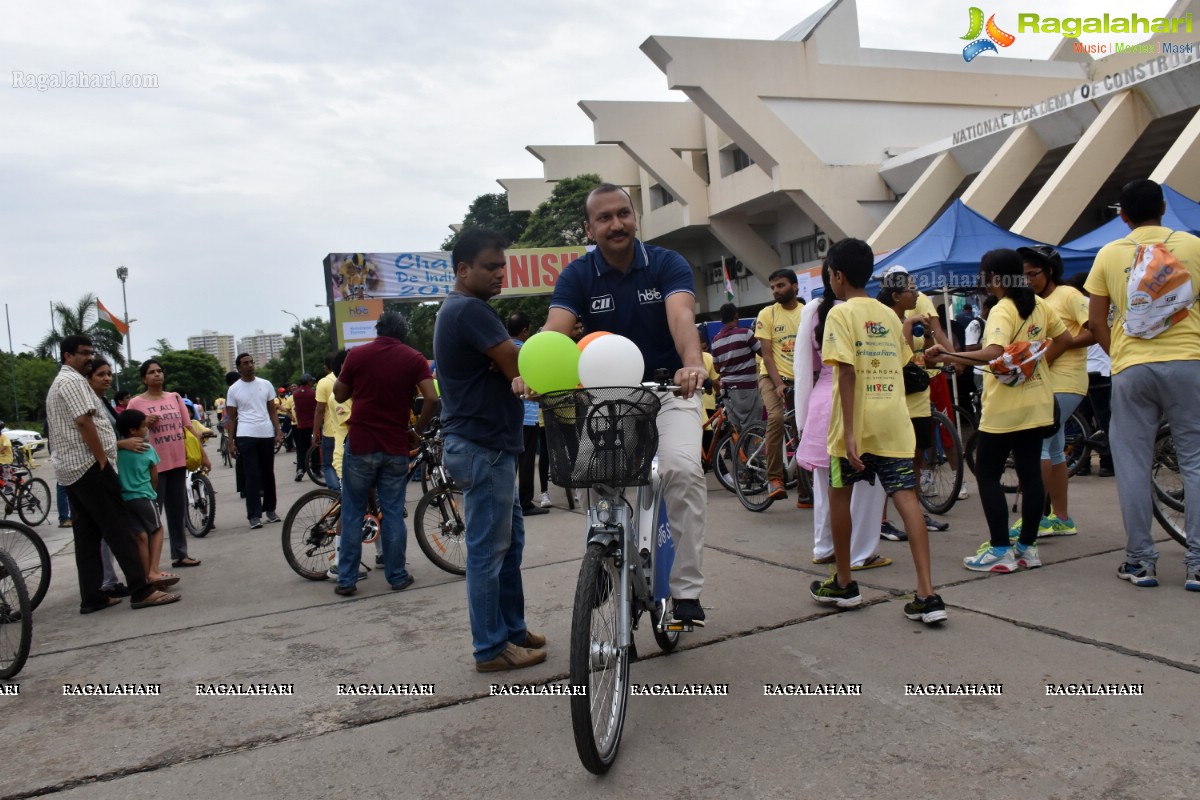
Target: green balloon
point(549, 362)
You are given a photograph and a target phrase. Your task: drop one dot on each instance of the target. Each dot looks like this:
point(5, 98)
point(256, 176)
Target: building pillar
point(997, 182)
point(1098, 152)
point(1180, 167)
point(920, 205)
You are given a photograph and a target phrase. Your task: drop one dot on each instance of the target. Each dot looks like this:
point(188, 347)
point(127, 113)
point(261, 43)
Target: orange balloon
point(591, 337)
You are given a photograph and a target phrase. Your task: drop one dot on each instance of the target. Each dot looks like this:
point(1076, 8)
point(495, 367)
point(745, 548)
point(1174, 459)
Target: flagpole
point(122, 274)
point(16, 404)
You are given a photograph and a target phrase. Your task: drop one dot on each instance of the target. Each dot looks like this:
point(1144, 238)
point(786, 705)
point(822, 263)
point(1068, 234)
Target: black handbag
point(915, 379)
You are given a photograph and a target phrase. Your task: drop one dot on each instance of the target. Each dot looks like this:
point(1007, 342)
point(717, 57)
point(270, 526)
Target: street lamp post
point(122, 274)
point(299, 338)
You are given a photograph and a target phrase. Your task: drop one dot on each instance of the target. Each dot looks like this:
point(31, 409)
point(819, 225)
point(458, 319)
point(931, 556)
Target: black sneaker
point(378, 560)
point(829, 593)
point(120, 590)
point(930, 610)
point(687, 611)
point(936, 525)
point(890, 532)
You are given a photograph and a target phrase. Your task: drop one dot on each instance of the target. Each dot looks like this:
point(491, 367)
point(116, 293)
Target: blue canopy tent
point(945, 256)
point(1183, 214)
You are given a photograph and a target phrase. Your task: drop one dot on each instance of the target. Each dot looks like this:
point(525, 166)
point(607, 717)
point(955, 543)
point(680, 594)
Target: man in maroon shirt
point(304, 399)
point(381, 377)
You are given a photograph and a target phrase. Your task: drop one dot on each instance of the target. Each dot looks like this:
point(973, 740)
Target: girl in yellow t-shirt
point(1068, 376)
point(1013, 416)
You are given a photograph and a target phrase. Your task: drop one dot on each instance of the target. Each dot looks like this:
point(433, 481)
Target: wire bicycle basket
point(605, 435)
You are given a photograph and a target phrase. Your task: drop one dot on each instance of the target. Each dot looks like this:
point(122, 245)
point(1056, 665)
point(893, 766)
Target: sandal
point(825, 560)
point(158, 598)
point(164, 582)
point(873, 562)
point(186, 561)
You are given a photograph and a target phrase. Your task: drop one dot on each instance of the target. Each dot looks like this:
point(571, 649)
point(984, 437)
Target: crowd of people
point(863, 373)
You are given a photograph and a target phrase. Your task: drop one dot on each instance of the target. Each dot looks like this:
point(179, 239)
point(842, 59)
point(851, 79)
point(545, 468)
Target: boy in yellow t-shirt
point(870, 436)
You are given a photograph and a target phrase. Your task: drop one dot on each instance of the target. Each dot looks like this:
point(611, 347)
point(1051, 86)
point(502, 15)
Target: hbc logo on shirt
point(649, 296)
point(602, 303)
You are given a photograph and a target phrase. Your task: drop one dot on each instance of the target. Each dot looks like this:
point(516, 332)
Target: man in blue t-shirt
point(482, 425)
point(647, 294)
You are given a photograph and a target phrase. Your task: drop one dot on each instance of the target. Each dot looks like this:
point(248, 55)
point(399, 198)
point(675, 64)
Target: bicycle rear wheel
point(750, 468)
point(1077, 432)
point(16, 618)
point(309, 532)
point(723, 462)
point(201, 507)
point(441, 529)
point(942, 474)
point(313, 467)
point(32, 558)
point(33, 502)
point(598, 662)
point(1167, 483)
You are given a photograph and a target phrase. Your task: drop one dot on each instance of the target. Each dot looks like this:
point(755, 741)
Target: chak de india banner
point(429, 275)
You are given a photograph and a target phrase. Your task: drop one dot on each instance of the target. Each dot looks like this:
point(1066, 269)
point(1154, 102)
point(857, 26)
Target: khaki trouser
point(679, 430)
point(775, 412)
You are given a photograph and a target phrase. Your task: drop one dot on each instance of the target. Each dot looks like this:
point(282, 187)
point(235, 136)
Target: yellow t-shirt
point(6, 453)
point(709, 401)
point(287, 407)
point(1068, 374)
point(1108, 278)
point(337, 415)
point(919, 402)
point(865, 335)
point(1031, 404)
point(778, 326)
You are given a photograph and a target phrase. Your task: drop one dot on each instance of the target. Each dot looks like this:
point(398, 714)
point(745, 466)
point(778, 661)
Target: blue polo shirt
point(632, 304)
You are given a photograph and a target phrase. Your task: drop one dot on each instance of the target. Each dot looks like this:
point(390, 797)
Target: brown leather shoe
point(512, 657)
point(534, 641)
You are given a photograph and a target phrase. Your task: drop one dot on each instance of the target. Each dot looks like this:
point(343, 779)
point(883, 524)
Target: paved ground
point(247, 618)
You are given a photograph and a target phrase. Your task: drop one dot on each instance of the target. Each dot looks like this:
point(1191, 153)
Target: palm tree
point(80, 319)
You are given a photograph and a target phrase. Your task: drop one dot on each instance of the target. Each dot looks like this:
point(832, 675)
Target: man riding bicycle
point(647, 294)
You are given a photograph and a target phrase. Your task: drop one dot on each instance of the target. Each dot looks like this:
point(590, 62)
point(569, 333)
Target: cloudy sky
point(281, 132)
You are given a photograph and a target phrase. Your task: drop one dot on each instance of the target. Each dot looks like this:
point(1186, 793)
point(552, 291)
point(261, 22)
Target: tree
point(558, 222)
point(161, 347)
point(33, 379)
point(81, 319)
point(285, 368)
point(420, 320)
point(491, 211)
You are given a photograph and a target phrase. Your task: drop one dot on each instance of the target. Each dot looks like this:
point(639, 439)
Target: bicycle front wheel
point(750, 468)
point(32, 558)
point(33, 502)
point(313, 467)
point(201, 507)
point(942, 473)
point(309, 532)
point(441, 529)
point(1076, 433)
point(16, 618)
point(1167, 488)
point(599, 663)
point(723, 462)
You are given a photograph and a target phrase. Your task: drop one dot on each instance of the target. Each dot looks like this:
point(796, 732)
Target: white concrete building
point(780, 147)
point(263, 346)
point(218, 345)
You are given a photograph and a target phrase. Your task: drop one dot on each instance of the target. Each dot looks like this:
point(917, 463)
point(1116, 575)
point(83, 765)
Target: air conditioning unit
point(822, 245)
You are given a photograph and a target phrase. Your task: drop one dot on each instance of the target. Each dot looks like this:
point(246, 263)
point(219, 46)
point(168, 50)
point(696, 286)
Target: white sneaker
point(927, 485)
point(963, 494)
point(991, 559)
point(544, 500)
point(1027, 558)
point(575, 494)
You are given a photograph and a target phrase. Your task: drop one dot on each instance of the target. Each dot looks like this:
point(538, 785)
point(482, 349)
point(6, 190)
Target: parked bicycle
point(606, 440)
point(16, 618)
point(750, 480)
point(201, 504)
point(718, 456)
point(32, 558)
point(27, 496)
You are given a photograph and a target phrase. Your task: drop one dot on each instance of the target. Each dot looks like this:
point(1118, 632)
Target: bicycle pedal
point(677, 626)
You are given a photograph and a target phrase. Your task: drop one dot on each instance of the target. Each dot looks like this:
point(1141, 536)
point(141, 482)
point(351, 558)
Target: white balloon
point(611, 361)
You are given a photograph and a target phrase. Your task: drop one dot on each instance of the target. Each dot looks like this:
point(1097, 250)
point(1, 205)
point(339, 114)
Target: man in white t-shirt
point(253, 428)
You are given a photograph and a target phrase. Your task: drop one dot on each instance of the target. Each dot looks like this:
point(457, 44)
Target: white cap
point(892, 270)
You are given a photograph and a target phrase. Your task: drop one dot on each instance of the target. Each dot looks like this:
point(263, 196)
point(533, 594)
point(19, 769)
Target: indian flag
point(106, 319)
point(728, 283)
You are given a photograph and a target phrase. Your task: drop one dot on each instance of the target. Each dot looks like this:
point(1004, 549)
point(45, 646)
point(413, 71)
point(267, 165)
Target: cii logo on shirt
point(602, 303)
point(994, 37)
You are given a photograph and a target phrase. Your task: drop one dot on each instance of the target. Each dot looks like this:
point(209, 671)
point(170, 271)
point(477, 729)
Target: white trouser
point(866, 510)
point(679, 433)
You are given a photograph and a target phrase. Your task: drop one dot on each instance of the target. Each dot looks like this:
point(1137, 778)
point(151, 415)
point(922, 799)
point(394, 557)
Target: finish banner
point(423, 276)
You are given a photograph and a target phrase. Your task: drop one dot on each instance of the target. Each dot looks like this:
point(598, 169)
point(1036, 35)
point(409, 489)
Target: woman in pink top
point(165, 417)
point(814, 405)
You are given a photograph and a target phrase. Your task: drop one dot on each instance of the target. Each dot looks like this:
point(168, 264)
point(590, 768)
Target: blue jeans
point(1053, 448)
point(495, 541)
point(331, 476)
point(385, 473)
point(64, 504)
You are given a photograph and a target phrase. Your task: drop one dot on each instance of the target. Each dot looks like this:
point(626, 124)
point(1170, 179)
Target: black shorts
point(144, 515)
point(923, 428)
point(895, 474)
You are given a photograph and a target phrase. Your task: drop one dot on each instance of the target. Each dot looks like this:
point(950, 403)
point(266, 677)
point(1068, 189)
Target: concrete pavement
point(247, 618)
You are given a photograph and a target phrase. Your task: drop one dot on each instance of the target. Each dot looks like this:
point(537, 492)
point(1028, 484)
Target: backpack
point(1158, 293)
point(1018, 362)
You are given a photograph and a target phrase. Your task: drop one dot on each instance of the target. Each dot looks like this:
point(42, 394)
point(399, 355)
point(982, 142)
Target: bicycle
point(1167, 486)
point(201, 504)
point(751, 482)
point(625, 567)
point(942, 466)
point(28, 496)
point(718, 456)
point(223, 448)
point(16, 618)
point(313, 467)
point(27, 549)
